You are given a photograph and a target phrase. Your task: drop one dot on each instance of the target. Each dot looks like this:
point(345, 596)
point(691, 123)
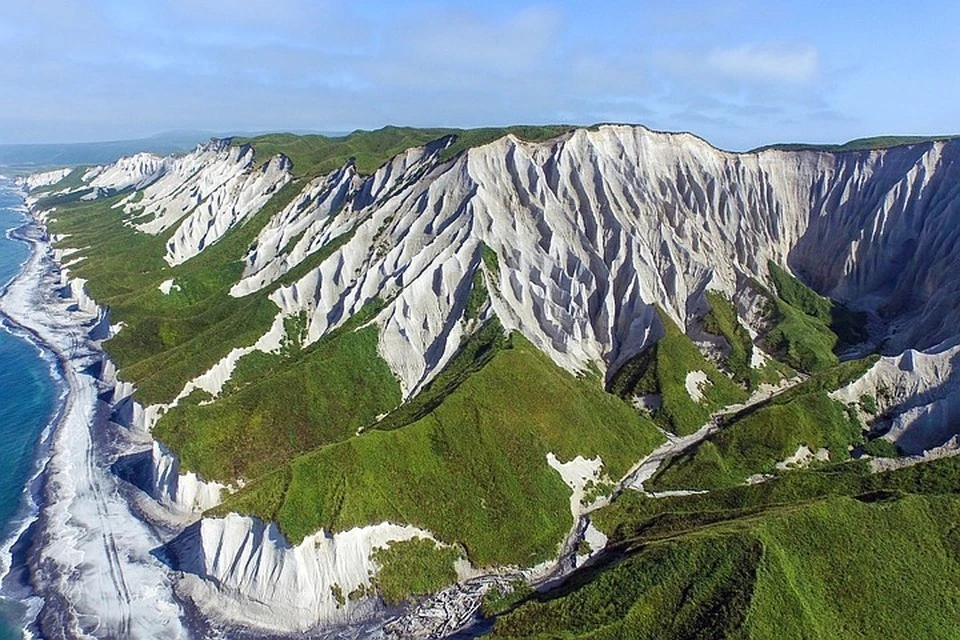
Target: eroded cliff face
point(592, 231)
point(578, 241)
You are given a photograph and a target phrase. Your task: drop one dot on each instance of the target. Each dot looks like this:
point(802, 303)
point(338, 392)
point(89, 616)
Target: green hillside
point(830, 554)
point(472, 470)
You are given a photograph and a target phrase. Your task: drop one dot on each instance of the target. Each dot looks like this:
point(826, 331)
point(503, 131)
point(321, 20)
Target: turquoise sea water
point(28, 398)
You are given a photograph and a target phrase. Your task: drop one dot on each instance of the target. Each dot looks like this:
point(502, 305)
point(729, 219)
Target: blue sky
point(740, 73)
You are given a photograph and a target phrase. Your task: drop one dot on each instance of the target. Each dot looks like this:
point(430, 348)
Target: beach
point(94, 565)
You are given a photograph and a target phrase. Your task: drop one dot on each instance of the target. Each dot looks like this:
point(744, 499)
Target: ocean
point(28, 398)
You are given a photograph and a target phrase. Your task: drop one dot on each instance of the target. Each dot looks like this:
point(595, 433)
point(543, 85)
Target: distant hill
point(859, 144)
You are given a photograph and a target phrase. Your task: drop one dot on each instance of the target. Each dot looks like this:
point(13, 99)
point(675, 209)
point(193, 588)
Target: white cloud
point(769, 62)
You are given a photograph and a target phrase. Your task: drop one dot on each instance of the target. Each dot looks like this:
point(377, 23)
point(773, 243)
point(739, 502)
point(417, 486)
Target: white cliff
point(207, 192)
point(328, 207)
point(594, 229)
point(43, 179)
point(243, 570)
point(919, 392)
point(577, 240)
point(136, 171)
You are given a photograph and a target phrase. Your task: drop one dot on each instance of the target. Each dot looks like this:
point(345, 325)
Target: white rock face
point(244, 570)
point(182, 492)
point(167, 286)
point(43, 179)
point(328, 207)
point(920, 390)
point(577, 474)
point(136, 171)
point(207, 192)
point(694, 384)
point(592, 230)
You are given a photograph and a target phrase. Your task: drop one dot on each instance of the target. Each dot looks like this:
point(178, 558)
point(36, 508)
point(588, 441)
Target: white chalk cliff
point(591, 232)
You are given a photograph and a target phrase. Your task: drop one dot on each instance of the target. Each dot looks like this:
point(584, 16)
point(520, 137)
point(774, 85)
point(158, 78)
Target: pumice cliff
point(504, 335)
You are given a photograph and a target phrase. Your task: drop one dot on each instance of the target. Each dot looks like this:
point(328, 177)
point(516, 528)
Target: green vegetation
point(801, 341)
point(673, 590)
point(473, 469)
point(478, 297)
point(263, 497)
point(860, 144)
point(849, 326)
point(318, 437)
point(880, 448)
point(836, 568)
point(832, 552)
point(490, 260)
point(72, 180)
point(414, 567)
point(722, 320)
point(286, 405)
point(635, 517)
point(663, 368)
point(755, 443)
point(809, 330)
point(754, 440)
point(337, 592)
point(314, 155)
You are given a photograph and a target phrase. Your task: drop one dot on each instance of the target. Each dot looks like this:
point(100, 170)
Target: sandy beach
point(93, 562)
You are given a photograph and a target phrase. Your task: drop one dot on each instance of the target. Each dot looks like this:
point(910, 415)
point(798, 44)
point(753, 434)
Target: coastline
point(15, 588)
point(92, 560)
point(99, 545)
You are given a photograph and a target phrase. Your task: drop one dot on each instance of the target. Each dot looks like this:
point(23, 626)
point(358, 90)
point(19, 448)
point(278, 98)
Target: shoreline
point(15, 544)
point(83, 526)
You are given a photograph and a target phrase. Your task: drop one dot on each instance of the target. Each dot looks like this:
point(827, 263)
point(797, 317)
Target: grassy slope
point(414, 567)
point(833, 569)
point(808, 330)
point(317, 154)
point(473, 470)
point(167, 339)
point(722, 320)
point(848, 326)
point(790, 558)
point(663, 369)
point(293, 404)
point(754, 441)
point(860, 144)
